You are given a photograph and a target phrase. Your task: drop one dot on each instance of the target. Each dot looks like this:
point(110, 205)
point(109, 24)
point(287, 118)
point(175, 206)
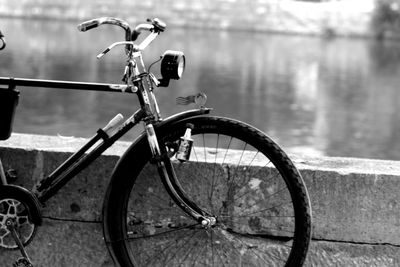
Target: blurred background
point(319, 77)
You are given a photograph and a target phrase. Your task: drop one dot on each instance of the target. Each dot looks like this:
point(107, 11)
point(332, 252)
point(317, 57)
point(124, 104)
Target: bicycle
point(230, 196)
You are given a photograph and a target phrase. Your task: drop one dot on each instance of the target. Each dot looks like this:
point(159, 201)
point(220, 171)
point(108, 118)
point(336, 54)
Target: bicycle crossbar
point(104, 87)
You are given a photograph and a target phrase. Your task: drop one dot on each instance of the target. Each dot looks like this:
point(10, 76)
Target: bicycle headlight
point(172, 65)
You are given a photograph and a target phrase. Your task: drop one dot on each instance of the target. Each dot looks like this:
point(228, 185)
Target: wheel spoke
point(248, 185)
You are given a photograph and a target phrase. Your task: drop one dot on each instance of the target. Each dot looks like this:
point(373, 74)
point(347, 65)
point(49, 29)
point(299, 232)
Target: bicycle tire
point(143, 225)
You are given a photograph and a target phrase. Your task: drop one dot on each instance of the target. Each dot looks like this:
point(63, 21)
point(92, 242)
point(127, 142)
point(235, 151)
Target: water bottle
point(185, 144)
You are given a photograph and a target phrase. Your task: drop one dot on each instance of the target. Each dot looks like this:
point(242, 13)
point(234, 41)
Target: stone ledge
point(354, 200)
point(355, 204)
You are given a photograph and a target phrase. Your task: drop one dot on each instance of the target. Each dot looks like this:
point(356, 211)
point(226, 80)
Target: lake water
point(333, 97)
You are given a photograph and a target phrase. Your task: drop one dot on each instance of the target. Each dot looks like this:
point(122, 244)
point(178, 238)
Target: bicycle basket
point(8, 103)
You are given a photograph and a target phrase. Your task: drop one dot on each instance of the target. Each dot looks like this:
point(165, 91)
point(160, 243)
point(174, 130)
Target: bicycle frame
point(221, 215)
point(133, 78)
point(50, 185)
point(137, 80)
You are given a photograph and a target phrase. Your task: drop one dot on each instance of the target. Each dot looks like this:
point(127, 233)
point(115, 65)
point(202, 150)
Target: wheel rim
point(255, 216)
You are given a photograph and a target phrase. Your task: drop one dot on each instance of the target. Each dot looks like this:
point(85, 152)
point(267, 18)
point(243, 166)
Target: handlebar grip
point(88, 25)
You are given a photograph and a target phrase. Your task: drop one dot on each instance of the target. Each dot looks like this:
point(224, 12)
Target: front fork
point(168, 176)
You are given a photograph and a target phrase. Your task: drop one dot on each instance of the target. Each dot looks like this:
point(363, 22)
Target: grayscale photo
point(221, 133)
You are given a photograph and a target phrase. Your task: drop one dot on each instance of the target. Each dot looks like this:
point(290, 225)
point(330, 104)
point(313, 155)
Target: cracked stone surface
point(355, 206)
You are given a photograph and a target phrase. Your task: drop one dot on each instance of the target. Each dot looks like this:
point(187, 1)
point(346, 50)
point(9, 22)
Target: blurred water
point(336, 97)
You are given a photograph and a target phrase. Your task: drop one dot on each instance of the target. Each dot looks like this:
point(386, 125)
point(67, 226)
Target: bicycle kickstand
point(24, 261)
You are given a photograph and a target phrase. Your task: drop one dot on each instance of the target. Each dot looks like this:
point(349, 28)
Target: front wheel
point(235, 173)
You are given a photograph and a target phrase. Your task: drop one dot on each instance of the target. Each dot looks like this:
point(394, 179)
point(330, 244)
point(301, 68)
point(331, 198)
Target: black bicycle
point(229, 195)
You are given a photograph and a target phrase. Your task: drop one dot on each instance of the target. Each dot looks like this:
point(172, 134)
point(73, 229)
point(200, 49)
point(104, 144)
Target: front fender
point(130, 162)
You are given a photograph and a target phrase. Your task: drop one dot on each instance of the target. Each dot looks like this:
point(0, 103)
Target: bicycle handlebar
point(156, 25)
point(93, 23)
point(139, 28)
point(135, 48)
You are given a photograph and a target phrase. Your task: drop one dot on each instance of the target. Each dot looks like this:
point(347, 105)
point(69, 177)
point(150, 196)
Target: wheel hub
point(208, 222)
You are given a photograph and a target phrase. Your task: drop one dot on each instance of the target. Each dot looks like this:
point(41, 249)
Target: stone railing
point(355, 202)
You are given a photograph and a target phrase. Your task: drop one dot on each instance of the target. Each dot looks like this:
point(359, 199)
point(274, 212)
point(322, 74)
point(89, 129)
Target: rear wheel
point(235, 173)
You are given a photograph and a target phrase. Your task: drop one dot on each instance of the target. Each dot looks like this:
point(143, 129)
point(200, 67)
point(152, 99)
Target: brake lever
point(108, 49)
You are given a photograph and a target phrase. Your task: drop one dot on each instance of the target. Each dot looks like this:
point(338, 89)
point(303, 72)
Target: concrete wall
point(356, 206)
point(349, 17)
